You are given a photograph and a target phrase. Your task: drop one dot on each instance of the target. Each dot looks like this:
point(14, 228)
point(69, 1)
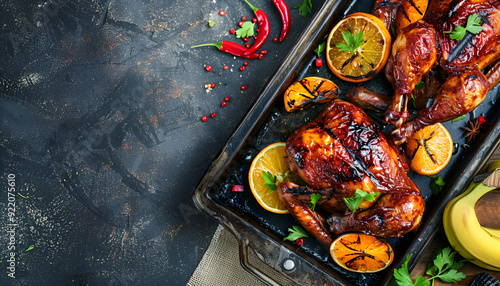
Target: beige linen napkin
point(220, 265)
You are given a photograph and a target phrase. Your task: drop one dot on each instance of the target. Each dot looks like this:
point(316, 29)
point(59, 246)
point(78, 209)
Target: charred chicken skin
point(426, 44)
point(341, 151)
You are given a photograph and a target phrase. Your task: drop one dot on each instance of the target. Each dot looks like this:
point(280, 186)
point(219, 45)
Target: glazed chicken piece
point(341, 151)
point(426, 43)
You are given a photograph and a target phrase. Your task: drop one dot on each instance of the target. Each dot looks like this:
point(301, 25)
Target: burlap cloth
point(220, 265)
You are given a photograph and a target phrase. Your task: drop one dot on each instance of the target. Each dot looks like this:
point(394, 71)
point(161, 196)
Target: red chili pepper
point(285, 18)
point(264, 29)
point(231, 48)
point(319, 62)
point(237, 188)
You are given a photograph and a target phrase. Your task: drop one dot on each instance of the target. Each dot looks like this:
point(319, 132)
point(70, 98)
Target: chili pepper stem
point(252, 6)
point(218, 45)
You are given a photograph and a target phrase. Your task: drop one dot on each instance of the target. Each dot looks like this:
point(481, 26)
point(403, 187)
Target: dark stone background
point(100, 108)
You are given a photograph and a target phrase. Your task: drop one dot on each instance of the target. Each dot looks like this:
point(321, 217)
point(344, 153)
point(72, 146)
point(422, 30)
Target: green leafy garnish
point(473, 26)
point(412, 104)
point(420, 85)
point(353, 42)
point(442, 266)
point(459, 118)
point(295, 232)
point(305, 8)
point(437, 184)
point(320, 49)
point(358, 197)
point(246, 30)
point(30, 247)
point(211, 23)
point(314, 199)
point(270, 181)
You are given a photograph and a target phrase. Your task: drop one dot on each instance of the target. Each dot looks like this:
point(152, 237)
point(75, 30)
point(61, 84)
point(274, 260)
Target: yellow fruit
point(369, 58)
point(270, 159)
point(430, 149)
point(361, 253)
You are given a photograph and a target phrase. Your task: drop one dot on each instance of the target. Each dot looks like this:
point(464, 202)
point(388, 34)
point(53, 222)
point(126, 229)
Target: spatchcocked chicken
point(342, 151)
point(425, 45)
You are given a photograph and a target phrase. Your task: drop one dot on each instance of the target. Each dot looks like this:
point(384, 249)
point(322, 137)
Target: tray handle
point(245, 263)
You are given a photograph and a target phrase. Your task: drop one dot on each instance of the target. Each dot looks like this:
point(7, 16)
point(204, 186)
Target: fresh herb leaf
point(320, 49)
point(295, 232)
point(270, 181)
point(473, 26)
point(246, 30)
point(437, 184)
point(30, 247)
point(211, 23)
point(305, 8)
point(358, 197)
point(459, 118)
point(314, 199)
point(352, 42)
point(402, 275)
point(22, 196)
point(420, 85)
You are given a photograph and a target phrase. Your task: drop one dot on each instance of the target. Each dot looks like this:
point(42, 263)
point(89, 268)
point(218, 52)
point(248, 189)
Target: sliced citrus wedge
point(361, 253)
point(270, 159)
point(304, 92)
point(430, 149)
point(358, 47)
point(412, 11)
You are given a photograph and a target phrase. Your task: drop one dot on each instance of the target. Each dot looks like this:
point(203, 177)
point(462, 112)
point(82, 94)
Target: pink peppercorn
point(223, 104)
point(243, 87)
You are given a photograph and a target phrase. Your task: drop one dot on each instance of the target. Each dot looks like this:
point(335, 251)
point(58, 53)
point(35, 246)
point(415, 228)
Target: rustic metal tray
point(268, 122)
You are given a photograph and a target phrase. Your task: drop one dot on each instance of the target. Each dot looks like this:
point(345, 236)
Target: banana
point(479, 245)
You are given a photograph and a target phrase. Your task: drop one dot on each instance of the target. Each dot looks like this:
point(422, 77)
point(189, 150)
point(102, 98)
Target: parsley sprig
point(352, 42)
point(246, 30)
point(320, 49)
point(473, 26)
point(442, 266)
point(314, 199)
point(437, 184)
point(295, 232)
point(305, 8)
point(355, 201)
point(270, 181)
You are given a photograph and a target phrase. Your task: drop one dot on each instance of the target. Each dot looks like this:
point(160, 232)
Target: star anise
point(472, 130)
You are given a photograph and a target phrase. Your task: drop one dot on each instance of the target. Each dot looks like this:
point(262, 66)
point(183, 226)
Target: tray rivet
point(288, 265)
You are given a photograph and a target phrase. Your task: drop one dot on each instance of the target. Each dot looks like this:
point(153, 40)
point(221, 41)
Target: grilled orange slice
point(361, 253)
point(430, 149)
point(411, 11)
point(367, 57)
point(302, 93)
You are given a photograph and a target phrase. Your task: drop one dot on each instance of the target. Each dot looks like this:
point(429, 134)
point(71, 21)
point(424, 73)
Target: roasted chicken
point(425, 45)
point(341, 151)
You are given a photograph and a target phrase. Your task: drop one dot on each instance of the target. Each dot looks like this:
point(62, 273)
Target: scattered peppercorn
point(247, 45)
point(244, 18)
point(245, 63)
point(208, 68)
point(222, 13)
point(319, 62)
point(213, 85)
point(213, 115)
point(226, 67)
point(237, 188)
point(243, 87)
point(263, 52)
point(204, 118)
point(242, 68)
point(257, 30)
point(261, 56)
point(275, 39)
point(254, 20)
point(211, 24)
point(227, 98)
point(299, 241)
point(240, 23)
point(208, 86)
point(232, 31)
point(245, 39)
point(223, 104)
